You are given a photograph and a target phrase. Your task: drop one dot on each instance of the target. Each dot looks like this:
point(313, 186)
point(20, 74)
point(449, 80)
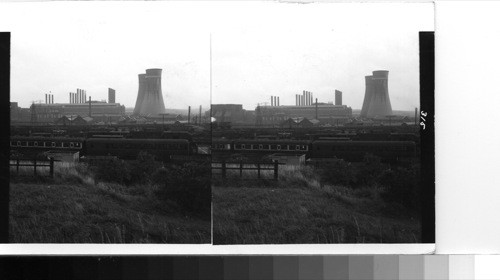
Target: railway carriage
point(271, 146)
point(39, 144)
point(356, 150)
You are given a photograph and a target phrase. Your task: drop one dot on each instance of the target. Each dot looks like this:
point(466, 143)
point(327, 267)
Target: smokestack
point(77, 95)
point(111, 95)
point(45, 98)
point(90, 106)
point(312, 98)
point(316, 108)
point(278, 101)
point(52, 98)
point(416, 115)
point(85, 96)
point(380, 103)
point(189, 114)
point(271, 100)
point(338, 97)
point(368, 96)
point(200, 114)
point(70, 97)
point(275, 101)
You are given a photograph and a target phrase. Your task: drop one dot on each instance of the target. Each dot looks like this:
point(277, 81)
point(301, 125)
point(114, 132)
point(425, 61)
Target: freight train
point(318, 149)
point(123, 148)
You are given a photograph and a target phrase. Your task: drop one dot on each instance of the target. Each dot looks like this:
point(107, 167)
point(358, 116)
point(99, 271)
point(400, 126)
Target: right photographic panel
point(322, 127)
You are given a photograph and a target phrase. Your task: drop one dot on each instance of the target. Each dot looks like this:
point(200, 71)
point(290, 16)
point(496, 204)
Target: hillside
point(71, 208)
point(299, 209)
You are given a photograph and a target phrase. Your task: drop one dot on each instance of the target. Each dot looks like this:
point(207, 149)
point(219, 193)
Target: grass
point(298, 208)
point(72, 208)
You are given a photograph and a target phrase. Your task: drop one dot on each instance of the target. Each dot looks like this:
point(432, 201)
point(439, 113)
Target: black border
point(4, 135)
point(427, 159)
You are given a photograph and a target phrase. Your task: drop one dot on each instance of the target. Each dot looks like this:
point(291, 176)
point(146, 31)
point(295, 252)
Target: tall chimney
point(52, 98)
point(316, 108)
point(90, 106)
point(189, 114)
point(45, 98)
point(200, 114)
point(312, 98)
point(111, 95)
point(70, 97)
point(416, 116)
point(278, 101)
point(275, 99)
point(338, 97)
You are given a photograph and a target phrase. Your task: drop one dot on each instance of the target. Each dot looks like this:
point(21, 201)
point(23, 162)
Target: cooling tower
point(380, 104)
point(368, 96)
point(152, 101)
point(140, 94)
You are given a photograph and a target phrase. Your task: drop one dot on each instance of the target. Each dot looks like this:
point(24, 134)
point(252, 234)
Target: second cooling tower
point(377, 101)
point(150, 98)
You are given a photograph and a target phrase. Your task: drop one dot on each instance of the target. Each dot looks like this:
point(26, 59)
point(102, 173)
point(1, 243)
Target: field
point(301, 208)
point(74, 207)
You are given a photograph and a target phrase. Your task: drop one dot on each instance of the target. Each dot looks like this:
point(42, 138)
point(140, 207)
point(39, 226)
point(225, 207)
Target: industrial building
point(231, 113)
point(149, 97)
point(77, 106)
point(376, 102)
point(98, 110)
point(305, 107)
point(325, 113)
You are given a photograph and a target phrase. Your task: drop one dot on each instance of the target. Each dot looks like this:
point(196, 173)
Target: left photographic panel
point(108, 134)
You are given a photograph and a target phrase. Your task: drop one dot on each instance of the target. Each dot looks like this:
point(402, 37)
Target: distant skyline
point(259, 49)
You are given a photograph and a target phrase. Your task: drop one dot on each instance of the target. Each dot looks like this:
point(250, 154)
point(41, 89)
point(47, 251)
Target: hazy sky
point(258, 50)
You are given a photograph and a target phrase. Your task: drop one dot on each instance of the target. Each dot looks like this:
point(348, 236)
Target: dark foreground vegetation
point(339, 202)
point(113, 201)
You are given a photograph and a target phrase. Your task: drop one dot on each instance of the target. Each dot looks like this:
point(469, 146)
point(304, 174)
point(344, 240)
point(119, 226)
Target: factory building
point(325, 113)
point(232, 113)
point(98, 110)
point(149, 97)
point(18, 114)
point(376, 102)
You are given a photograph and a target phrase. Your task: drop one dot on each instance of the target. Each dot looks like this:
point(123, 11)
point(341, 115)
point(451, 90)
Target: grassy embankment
point(300, 209)
point(72, 208)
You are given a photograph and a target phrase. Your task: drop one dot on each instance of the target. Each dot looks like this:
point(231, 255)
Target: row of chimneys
point(275, 101)
point(306, 99)
point(189, 115)
point(49, 99)
point(79, 97)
